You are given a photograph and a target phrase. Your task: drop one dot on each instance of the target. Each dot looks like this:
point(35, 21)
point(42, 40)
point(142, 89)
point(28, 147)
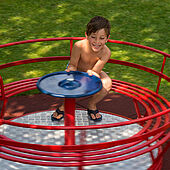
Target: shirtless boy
point(90, 55)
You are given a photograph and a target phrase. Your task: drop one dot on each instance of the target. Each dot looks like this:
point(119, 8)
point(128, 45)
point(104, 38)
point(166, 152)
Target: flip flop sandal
point(59, 113)
point(94, 112)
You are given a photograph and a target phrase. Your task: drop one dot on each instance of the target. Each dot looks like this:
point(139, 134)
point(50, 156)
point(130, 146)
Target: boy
point(90, 55)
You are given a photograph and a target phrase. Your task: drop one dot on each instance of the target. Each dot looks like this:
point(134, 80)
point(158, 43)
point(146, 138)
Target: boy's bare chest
point(88, 58)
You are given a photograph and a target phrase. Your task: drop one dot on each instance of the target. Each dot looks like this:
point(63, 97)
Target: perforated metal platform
point(56, 137)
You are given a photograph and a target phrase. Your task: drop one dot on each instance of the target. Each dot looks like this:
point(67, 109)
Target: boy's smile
point(97, 40)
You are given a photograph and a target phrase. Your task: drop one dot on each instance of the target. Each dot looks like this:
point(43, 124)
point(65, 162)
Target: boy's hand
point(91, 72)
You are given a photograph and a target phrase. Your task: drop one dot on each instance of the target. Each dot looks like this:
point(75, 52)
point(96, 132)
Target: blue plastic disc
point(73, 84)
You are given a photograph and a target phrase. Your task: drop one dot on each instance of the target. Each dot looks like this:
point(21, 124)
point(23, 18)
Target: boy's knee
point(107, 84)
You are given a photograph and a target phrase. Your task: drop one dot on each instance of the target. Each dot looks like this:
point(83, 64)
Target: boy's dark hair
point(96, 24)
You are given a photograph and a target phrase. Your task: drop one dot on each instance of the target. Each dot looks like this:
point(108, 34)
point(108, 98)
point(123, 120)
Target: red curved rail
point(155, 121)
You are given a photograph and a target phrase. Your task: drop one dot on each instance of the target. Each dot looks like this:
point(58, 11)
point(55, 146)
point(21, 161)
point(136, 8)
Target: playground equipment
point(149, 139)
point(69, 85)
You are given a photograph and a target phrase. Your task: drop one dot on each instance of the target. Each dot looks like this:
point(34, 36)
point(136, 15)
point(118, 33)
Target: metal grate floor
point(52, 137)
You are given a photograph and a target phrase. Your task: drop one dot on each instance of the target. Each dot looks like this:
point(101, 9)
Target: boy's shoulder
point(80, 43)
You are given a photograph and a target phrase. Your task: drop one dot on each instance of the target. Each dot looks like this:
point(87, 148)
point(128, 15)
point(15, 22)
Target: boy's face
point(97, 40)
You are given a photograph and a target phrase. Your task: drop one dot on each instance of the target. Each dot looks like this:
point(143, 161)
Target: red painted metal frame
point(69, 120)
point(155, 121)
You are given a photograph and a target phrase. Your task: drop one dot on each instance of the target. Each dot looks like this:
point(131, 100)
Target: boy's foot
point(93, 115)
point(57, 115)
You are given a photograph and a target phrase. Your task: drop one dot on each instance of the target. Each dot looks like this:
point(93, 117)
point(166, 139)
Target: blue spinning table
point(69, 85)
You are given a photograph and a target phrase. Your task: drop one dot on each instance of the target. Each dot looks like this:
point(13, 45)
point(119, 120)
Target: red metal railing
point(154, 121)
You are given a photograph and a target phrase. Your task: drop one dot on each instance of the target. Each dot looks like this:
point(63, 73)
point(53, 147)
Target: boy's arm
point(100, 64)
point(75, 55)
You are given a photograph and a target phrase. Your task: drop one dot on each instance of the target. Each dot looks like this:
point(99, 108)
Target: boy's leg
point(107, 84)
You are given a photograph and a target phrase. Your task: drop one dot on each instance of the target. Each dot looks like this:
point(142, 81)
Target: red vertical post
point(69, 120)
point(137, 108)
point(3, 108)
point(3, 98)
point(162, 69)
point(80, 168)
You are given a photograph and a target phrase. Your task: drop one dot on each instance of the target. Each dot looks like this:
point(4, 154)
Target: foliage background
point(144, 22)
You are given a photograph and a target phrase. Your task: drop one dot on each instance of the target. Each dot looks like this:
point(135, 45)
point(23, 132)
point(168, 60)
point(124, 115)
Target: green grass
point(144, 22)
